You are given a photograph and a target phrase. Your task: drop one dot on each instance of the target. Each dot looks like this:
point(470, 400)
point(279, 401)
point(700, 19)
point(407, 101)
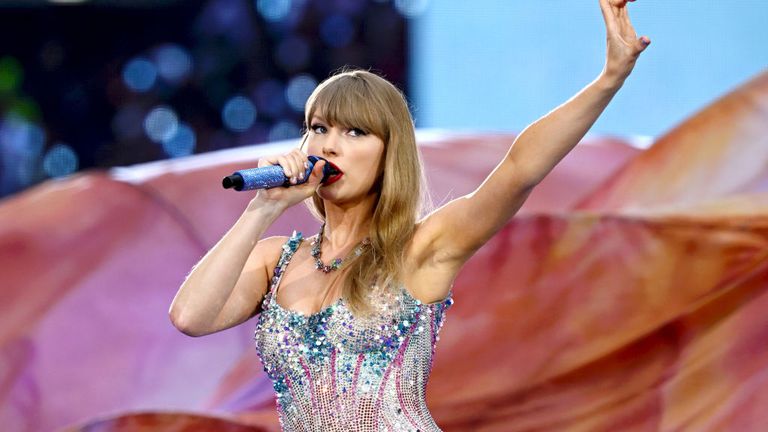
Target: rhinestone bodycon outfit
point(335, 372)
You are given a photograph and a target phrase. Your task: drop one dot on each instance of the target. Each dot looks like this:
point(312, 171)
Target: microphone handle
point(266, 177)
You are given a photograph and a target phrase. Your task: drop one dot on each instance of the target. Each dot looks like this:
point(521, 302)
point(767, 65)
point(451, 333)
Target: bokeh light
point(283, 130)
point(60, 160)
point(11, 74)
point(238, 114)
point(182, 143)
point(140, 74)
point(411, 8)
point(18, 136)
point(161, 124)
point(21, 144)
point(273, 10)
point(239, 71)
point(174, 63)
point(298, 90)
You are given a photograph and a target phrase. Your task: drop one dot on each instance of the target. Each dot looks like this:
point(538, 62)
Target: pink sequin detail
point(335, 372)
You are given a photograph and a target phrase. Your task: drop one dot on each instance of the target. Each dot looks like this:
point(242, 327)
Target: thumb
point(642, 43)
point(317, 173)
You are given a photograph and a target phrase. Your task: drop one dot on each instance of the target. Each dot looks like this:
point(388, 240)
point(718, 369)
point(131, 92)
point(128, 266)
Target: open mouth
point(332, 173)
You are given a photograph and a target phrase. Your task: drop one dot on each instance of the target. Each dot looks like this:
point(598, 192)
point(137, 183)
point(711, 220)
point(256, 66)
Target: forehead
point(349, 102)
point(347, 118)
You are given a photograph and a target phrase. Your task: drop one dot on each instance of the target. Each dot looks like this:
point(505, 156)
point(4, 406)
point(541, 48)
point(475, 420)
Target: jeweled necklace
point(338, 262)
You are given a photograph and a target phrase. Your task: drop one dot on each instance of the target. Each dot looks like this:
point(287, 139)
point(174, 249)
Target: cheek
point(374, 168)
point(311, 147)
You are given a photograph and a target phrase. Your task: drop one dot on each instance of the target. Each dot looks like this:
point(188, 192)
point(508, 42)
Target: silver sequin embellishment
point(334, 372)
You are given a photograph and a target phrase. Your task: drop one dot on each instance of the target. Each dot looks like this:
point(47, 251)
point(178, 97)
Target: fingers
point(297, 159)
point(294, 164)
point(614, 15)
point(614, 11)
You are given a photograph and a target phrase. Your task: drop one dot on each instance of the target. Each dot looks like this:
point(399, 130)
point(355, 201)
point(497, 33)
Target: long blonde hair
point(359, 98)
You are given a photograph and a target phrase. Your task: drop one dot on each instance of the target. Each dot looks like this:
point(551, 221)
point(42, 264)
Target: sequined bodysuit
point(335, 372)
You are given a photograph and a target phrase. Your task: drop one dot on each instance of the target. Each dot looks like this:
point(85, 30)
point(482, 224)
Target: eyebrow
point(317, 117)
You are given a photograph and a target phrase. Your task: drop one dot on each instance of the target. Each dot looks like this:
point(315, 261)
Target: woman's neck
point(345, 227)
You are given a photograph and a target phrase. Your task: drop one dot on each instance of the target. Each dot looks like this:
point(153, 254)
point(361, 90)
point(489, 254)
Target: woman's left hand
point(623, 45)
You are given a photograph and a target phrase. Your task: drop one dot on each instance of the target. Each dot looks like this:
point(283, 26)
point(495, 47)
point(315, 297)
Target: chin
point(328, 192)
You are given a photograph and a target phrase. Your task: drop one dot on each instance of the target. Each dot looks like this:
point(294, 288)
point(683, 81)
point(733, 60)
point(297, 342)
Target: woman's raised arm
point(460, 227)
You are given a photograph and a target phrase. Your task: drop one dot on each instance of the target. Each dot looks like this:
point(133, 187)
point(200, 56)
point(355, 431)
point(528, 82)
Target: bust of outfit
point(334, 372)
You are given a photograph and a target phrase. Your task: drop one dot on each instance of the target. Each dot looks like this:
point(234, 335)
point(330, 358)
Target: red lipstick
point(333, 174)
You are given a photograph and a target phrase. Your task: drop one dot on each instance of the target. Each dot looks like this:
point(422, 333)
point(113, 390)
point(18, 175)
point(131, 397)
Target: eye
point(357, 132)
point(318, 128)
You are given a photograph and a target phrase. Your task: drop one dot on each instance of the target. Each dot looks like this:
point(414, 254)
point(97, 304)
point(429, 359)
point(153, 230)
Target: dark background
point(66, 104)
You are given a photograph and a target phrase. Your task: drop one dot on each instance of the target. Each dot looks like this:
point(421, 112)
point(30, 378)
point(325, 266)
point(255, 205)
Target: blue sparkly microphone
point(274, 176)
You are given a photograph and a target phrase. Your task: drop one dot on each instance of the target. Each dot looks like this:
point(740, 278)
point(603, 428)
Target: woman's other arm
point(456, 230)
point(226, 286)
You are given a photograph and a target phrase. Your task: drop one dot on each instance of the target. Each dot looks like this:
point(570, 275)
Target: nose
point(329, 145)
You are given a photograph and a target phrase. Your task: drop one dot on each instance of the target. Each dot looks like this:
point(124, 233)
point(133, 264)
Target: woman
point(349, 343)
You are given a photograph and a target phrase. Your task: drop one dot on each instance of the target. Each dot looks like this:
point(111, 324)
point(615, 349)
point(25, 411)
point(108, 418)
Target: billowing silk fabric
point(332, 371)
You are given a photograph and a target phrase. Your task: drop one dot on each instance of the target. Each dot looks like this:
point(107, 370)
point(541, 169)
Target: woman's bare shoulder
point(270, 249)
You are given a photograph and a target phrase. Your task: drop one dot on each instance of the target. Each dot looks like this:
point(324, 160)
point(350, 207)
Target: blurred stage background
point(627, 294)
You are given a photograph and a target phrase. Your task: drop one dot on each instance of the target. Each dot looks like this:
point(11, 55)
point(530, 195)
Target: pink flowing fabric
point(629, 293)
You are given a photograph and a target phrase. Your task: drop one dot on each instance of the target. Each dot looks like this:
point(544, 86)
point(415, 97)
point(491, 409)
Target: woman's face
point(355, 151)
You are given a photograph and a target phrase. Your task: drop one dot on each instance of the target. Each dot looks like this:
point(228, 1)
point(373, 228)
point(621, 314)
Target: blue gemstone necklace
point(338, 262)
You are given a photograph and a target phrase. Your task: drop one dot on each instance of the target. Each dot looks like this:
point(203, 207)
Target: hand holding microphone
point(302, 173)
point(269, 176)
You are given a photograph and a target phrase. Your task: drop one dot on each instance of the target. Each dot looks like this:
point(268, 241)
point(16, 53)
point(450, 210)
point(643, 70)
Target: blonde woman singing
point(348, 318)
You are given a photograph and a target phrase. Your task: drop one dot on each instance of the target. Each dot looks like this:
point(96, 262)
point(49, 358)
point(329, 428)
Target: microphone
point(274, 176)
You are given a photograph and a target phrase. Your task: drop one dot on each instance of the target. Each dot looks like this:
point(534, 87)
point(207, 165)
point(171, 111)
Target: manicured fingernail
point(301, 176)
point(306, 164)
point(293, 180)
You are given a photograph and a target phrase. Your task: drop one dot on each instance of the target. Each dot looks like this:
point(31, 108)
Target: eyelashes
point(355, 132)
point(316, 128)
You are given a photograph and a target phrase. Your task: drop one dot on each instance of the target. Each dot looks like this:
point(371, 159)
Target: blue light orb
point(238, 114)
point(20, 137)
point(21, 145)
point(182, 143)
point(273, 10)
point(174, 63)
point(60, 160)
point(298, 90)
point(283, 130)
point(411, 8)
point(140, 74)
point(161, 123)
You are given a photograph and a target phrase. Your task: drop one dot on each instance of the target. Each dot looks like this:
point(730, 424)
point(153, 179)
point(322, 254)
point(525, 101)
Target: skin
point(435, 254)
point(348, 209)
